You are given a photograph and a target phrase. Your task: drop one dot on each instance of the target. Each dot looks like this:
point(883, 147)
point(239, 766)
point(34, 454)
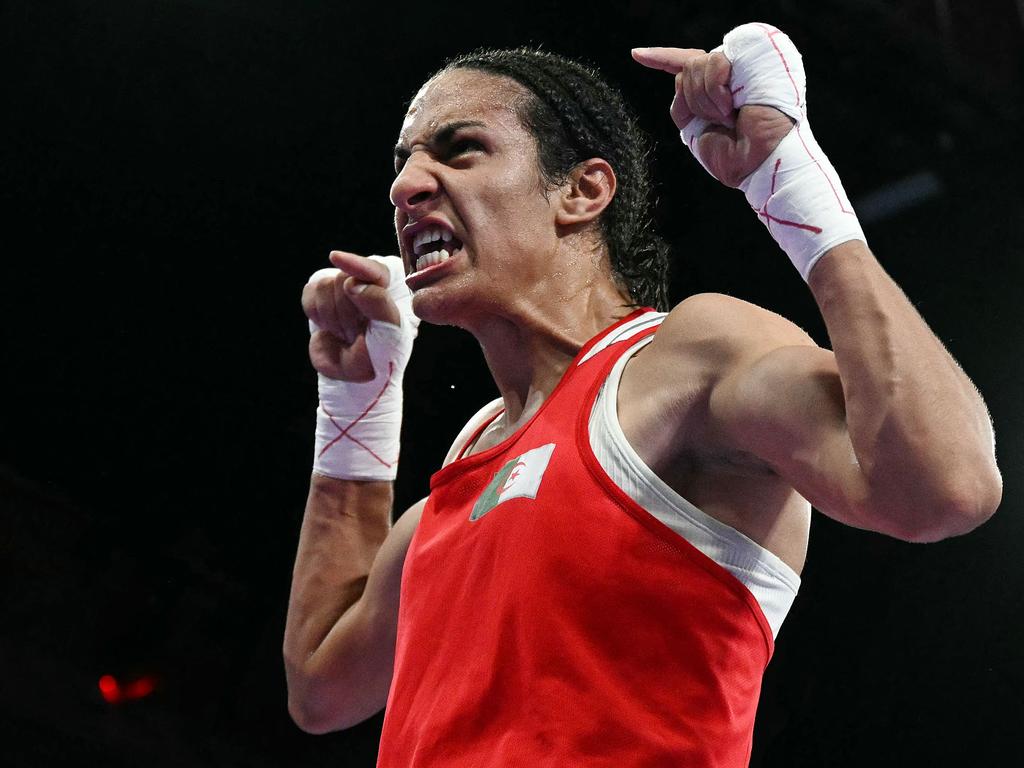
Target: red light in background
point(139, 689)
point(114, 692)
point(109, 689)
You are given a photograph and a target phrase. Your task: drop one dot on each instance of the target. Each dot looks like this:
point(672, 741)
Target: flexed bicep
point(786, 407)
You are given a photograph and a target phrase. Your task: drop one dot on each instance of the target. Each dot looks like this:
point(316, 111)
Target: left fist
point(735, 141)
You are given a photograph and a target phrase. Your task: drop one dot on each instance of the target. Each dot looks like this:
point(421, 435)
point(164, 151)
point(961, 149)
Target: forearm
point(345, 523)
point(338, 636)
point(920, 431)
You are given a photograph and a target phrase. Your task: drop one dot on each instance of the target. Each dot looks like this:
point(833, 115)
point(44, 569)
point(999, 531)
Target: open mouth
point(432, 246)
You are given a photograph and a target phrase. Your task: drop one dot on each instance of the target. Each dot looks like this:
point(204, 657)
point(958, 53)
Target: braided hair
point(573, 115)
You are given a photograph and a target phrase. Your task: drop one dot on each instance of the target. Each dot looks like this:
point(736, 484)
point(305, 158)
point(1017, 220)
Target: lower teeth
point(430, 259)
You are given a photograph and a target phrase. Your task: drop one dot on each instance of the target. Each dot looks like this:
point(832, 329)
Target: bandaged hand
point(741, 110)
point(361, 334)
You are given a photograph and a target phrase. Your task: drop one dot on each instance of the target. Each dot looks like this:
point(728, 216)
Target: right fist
point(341, 303)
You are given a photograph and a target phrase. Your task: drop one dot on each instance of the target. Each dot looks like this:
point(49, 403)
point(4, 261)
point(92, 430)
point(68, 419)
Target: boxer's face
point(467, 170)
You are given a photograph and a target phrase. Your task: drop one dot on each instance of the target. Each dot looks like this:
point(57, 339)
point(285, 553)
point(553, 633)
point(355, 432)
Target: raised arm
point(340, 634)
point(886, 432)
point(920, 430)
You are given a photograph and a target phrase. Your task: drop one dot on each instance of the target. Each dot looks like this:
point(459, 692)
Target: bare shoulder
point(722, 328)
point(665, 389)
point(666, 407)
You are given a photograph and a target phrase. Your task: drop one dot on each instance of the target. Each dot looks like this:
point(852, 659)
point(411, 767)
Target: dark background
point(171, 174)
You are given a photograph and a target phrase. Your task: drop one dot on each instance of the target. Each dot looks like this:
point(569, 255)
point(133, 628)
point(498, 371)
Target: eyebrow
point(441, 137)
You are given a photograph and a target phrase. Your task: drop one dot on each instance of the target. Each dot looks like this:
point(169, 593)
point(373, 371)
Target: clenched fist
point(736, 141)
point(340, 303)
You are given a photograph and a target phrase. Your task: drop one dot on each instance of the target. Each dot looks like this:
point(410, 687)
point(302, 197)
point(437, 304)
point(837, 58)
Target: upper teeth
point(429, 235)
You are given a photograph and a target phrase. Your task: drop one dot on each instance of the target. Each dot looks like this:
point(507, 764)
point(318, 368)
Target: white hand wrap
point(795, 191)
point(358, 424)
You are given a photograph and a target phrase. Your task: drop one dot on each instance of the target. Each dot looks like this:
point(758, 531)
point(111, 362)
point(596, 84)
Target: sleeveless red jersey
point(547, 620)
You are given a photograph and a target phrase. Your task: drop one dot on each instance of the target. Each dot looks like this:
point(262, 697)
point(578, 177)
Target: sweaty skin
point(531, 283)
point(530, 326)
point(732, 405)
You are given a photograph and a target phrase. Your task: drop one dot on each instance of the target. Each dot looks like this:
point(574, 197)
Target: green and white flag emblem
point(519, 478)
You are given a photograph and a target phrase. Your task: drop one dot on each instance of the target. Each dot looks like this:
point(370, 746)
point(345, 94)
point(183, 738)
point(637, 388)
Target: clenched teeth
point(426, 238)
point(432, 258)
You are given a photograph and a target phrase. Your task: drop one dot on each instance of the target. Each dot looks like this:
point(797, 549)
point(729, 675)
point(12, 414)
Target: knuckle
point(326, 309)
point(323, 287)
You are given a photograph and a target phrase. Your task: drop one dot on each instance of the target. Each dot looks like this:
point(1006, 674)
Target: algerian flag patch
point(519, 478)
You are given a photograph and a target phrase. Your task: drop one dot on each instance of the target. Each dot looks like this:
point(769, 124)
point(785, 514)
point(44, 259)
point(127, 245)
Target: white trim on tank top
point(496, 406)
point(772, 583)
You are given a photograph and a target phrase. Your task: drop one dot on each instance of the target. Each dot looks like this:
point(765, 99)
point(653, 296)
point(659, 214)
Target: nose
point(415, 184)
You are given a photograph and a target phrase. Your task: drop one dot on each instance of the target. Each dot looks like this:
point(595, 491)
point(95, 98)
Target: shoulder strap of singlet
point(486, 415)
point(625, 331)
point(473, 429)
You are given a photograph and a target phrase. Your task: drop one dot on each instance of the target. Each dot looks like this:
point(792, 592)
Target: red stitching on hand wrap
point(344, 432)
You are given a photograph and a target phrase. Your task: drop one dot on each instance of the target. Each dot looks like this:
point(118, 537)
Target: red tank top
point(547, 620)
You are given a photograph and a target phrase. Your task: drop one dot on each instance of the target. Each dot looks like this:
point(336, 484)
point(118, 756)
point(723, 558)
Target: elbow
point(315, 712)
point(302, 715)
point(955, 512)
point(309, 717)
point(319, 703)
point(966, 509)
point(308, 703)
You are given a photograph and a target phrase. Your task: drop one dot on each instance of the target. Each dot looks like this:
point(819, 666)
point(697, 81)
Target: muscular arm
point(343, 610)
point(339, 645)
point(920, 430)
point(340, 634)
point(887, 433)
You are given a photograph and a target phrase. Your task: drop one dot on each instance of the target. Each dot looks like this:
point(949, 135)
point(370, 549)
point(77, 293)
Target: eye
point(462, 146)
point(448, 151)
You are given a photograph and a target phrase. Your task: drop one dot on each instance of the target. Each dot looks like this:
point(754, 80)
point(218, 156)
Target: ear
point(588, 191)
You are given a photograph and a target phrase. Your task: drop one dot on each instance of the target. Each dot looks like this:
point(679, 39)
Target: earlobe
point(587, 192)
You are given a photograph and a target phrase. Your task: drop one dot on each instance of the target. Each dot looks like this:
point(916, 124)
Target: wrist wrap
point(795, 191)
point(358, 424)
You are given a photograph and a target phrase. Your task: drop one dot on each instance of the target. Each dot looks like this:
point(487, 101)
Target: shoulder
point(703, 343)
point(722, 329)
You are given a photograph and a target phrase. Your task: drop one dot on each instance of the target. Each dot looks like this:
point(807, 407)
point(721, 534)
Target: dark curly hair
point(573, 115)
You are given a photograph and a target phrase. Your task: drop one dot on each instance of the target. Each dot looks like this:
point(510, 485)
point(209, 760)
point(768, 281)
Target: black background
point(171, 174)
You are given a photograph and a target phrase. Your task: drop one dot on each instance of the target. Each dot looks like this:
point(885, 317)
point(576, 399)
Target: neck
point(529, 347)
